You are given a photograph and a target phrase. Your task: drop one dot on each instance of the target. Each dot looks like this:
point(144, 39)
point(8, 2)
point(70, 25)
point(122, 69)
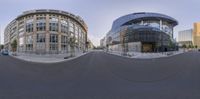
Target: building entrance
point(148, 47)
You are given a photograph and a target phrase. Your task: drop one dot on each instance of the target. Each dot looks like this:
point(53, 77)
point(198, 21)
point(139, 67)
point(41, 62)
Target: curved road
point(98, 75)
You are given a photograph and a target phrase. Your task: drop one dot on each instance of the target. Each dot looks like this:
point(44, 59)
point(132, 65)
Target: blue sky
point(99, 14)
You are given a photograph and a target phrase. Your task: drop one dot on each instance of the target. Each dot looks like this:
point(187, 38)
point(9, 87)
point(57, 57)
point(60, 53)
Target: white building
point(185, 37)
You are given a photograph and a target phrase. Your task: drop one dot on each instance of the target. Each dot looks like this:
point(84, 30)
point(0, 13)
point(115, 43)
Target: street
point(99, 75)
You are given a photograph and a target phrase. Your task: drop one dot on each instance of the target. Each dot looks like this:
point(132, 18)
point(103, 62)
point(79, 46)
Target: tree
point(1, 47)
point(184, 46)
point(192, 46)
point(196, 46)
point(189, 46)
point(14, 45)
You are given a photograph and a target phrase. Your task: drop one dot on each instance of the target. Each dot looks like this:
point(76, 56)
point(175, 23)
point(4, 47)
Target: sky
point(100, 14)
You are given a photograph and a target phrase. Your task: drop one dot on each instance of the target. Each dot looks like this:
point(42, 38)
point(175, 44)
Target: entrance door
point(147, 47)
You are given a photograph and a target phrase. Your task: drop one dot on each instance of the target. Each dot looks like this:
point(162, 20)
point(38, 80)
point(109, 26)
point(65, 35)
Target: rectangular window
point(41, 26)
point(71, 27)
point(64, 43)
point(29, 27)
point(41, 38)
point(64, 26)
point(53, 27)
point(53, 19)
point(53, 38)
point(29, 43)
point(21, 41)
point(53, 42)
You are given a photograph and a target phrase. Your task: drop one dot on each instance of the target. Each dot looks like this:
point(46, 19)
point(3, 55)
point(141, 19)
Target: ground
point(99, 75)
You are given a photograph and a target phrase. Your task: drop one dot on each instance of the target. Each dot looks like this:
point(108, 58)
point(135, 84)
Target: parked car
point(199, 50)
point(5, 52)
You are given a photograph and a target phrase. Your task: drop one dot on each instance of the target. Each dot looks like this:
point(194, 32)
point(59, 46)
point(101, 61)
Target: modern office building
point(46, 31)
point(142, 32)
point(185, 37)
point(196, 34)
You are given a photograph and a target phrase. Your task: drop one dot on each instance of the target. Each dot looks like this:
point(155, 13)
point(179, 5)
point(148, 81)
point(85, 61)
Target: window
point(167, 28)
point(53, 27)
point(29, 43)
point(53, 24)
point(64, 41)
point(29, 40)
point(54, 38)
point(53, 42)
point(21, 41)
point(21, 44)
point(64, 26)
point(41, 18)
point(29, 25)
point(152, 23)
point(71, 27)
point(21, 31)
point(53, 19)
point(76, 31)
point(41, 38)
point(41, 26)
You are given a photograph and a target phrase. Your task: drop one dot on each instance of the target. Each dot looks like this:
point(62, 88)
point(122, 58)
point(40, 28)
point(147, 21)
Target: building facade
point(103, 42)
point(196, 34)
point(185, 37)
point(142, 32)
point(46, 31)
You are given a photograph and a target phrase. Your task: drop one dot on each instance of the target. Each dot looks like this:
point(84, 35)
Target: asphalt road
point(98, 75)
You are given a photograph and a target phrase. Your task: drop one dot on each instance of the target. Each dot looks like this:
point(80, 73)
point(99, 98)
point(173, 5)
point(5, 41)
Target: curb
point(64, 60)
point(146, 58)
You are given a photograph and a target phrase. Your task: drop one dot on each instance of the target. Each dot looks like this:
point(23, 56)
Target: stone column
point(34, 34)
point(47, 40)
point(68, 36)
point(59, 34)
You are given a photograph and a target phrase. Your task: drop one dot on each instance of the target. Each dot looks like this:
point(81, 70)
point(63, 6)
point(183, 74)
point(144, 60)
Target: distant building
point(90, 45)
point(185, 37)
point(103, 42)
point(196, 34)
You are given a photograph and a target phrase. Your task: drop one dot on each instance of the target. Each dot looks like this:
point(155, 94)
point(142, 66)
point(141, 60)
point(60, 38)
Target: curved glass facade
point(47, 32)
point(149, 33)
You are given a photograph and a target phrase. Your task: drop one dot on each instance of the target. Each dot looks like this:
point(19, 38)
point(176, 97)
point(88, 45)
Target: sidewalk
point(47, 58)
point(139, 55)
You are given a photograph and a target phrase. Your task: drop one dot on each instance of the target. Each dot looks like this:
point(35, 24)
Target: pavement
point(139, 55)
point(98, 75)
point(47, 58)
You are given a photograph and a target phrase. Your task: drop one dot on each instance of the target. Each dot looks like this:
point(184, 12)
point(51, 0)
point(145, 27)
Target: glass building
point(142, 32)
point(46, 31)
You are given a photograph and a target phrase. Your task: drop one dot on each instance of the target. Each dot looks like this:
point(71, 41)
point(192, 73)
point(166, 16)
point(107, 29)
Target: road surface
point(99, 75)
